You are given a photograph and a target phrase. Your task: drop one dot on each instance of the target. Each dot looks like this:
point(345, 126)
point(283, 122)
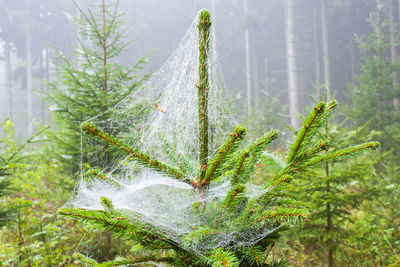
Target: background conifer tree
point(332, 192)
point(375, 88)
point(236, 212)
point(89, 85)
point(6, 213)
point(92, 82)
point(374, 101)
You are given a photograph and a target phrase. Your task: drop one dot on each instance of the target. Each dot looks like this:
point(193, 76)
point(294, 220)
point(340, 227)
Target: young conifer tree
point(374, 101)
point(373, 96)
point(11, 158)
point(237, 215)
point(89, 85)
point(92, 82)
point(333, 191)
point(6, 214)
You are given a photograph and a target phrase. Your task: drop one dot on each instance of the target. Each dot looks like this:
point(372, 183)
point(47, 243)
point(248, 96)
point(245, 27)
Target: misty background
point(250, 39)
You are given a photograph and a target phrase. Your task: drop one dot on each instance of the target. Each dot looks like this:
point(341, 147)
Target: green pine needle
point(229, 145)
point(135, 154)
point(313, 122)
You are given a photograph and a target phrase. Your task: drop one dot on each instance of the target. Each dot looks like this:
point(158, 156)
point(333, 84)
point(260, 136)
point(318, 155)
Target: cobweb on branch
point(163, 113)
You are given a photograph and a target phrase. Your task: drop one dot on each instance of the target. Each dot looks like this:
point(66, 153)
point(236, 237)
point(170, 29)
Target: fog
point(157, 26)
point(127, 139)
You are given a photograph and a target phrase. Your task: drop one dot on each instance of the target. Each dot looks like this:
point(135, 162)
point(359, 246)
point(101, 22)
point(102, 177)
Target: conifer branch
point(238, 167)
point(231, 198)
point(120, 225)
point(107, 204)
point(257, 259)
point(315, 149)
point(248, 158)
point(310, 125)
point(122, 261)
point(237, 135)
point(97, 216)
point(272, 161)
point(28, 141)
point(102, 176)
point(263, 142)
point(84, 259)
point(280, 215)
point(340, 154)
point(176, 157)
point(134, 154)
point(267, 253)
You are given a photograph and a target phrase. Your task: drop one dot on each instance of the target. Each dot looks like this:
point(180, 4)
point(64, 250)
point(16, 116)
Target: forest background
point(276, 57)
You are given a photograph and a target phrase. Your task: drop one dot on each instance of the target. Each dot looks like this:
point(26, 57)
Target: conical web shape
point(162, 117)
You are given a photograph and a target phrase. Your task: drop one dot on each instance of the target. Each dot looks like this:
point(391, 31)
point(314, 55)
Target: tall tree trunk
point(266, 84)
point(329, 224)
point(398, 15)
point(105, 77)
point(325, 48)
point(316, 51)
point(47, 79)
point(29, 82)
point(329, 221)
point(291, 63)
point(353, 46)
point(108, 245)
point(42, 85)
point(379, 67)
point(248, 59)
point(256, 87)
point(7, 68)
point(393, 51)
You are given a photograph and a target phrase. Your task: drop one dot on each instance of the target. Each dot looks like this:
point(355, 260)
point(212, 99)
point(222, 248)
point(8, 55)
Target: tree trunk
point(393, 52)
point(254, 65)
point(291, 63)
point(47, 79)
point(267, 102)
point(398, 15)
point(108, 246)
point(316, 52)
point(7, 68)
point(353, 47)
point(248, 60)
point(325, 49)
point(29, 81)
point(379, 67)
point(42, 85)
point(329, 222)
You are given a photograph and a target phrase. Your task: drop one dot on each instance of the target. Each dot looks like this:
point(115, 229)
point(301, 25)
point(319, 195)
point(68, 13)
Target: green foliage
point(373, 96)
point(35, 236)
point(38, 237)
point(92, 83)
point(203, 26)
point(12, 158)
point(237, 214)
point(333, 192)
point(376, 225)
point(9, 150)
point(135, 154)
point(221, 257)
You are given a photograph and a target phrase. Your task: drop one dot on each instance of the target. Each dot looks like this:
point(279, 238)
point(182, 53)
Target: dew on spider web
point(170, 101)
